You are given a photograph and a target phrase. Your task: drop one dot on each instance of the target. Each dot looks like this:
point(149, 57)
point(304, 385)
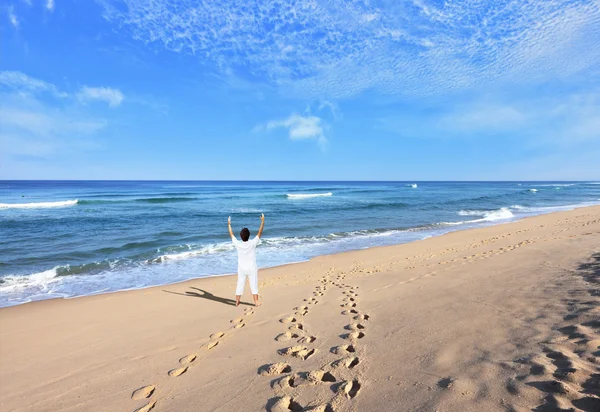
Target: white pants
point(252, 278)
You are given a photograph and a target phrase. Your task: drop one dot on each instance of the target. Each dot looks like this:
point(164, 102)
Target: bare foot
point(237, 303)
point(257, 304)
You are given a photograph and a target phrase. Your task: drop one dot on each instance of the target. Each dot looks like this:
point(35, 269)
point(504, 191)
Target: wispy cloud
point(21, 82)
point(410, 48)
point(12, 17)
point(31, 127)
point(550, 121)
point(40, 120)
point(113, 97)
point(50, 5)
point(299, 127)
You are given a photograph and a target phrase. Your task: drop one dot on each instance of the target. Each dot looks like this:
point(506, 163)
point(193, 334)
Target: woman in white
point(247, 267)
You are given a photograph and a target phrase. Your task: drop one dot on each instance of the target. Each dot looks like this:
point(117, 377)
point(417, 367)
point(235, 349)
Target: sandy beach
point(503, 318)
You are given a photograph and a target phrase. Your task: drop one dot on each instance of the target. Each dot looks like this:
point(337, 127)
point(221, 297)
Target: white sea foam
point(307, 195)
point(487, 215)
point(414, 185)
point(533, 190)
point(548, 209)
point(210, 249)
point(40, 280)
point(559, 185)
point(38, 205)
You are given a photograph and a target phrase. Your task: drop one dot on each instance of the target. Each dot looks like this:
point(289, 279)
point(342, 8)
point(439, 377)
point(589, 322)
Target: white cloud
point(20, 82)
point(39, 120)
point(334, 108)
point(34, 128)
point(547, 121)
point(299, 128)
point(338, 49)
point(50, 5)
point(113, 97)
point(12, 17)
point(24, 84)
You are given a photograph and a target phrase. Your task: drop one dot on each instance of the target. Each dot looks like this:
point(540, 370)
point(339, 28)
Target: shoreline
point(458, 230)
point(479, 319)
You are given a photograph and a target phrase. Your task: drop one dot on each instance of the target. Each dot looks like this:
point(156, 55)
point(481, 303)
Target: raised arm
point(262, 225)
point(229, 226)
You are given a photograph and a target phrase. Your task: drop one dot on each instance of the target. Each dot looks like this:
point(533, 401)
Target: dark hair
point(245, 234)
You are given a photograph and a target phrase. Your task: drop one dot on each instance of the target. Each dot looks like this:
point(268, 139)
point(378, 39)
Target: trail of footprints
point(305, 346)
point(418, 259)
point(146, 393)
point(566, 370)
point(355, 331)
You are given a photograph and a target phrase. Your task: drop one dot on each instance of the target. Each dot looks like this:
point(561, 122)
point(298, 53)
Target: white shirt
point(246, 254)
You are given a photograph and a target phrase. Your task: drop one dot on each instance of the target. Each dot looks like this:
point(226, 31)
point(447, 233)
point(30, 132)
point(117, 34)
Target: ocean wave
point(532, 190)
point(487, 215)
point(210, 249)
point(414, 185)
point(307, 195)
point(40, 280)
point(39, 205)
point(548, 209)
point(151, 200)
point(558, 185)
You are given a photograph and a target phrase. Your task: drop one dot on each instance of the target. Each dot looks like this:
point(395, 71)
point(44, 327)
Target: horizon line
point(295, 181)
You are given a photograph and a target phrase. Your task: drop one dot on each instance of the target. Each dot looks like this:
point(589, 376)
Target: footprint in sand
point(353, 336)
point(320, 376)
point(361, 317)
point(347, 362)
point(212, 345)
point(236, 320)
point(186, 360)
point(285, 383)
point(274, 369)
point(301, 352)
point(143, 393)
point(354, 326)
point(178, 372)
point(284, 404)
point(307, 339)
point(217, 335)
point(147, 407)
point(343, 349)
point(296, 327)
point(289, 319)
point(350, 388)
point(286, 336)
point(350, 312)
point(239, 325)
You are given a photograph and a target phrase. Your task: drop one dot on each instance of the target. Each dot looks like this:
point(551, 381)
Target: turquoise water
point(66, 239)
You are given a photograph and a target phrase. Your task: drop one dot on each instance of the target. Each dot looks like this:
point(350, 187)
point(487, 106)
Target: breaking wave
point(38, 205)
point(307, 195)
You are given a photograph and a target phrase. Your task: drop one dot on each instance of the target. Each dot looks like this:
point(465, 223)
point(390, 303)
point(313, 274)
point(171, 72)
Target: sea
point(64, 239)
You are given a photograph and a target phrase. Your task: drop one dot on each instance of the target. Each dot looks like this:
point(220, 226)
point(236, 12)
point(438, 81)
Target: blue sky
point(300, 90)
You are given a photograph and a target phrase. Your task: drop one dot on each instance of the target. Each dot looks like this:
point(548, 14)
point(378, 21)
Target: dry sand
point(504, 318)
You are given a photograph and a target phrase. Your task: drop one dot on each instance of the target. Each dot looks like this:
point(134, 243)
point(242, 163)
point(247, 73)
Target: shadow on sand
point(199, 293)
